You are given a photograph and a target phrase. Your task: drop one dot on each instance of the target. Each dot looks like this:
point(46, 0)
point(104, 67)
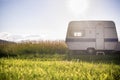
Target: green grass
point(50, 60)
point(35, 69)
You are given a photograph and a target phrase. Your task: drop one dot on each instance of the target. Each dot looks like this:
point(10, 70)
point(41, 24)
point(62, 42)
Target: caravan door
point(99, 38)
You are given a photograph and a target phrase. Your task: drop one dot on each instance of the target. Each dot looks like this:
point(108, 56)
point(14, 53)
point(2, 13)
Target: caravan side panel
point(80, 36)
point(110, 38)
point(81, 44)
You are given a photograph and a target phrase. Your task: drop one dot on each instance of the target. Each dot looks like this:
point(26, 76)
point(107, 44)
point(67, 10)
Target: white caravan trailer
point(92, 36)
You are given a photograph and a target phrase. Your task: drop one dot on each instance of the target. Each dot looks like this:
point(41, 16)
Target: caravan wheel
point(90, 50)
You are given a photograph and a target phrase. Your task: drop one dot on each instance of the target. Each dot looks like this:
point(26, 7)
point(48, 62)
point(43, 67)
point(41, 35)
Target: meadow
point(50, 60)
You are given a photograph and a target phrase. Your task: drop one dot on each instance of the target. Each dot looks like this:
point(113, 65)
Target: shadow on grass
point(107, 59)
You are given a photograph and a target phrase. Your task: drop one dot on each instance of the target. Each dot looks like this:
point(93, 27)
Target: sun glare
point(78, 7)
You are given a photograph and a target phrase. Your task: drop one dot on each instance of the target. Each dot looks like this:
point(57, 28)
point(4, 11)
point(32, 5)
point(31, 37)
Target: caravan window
point(78, 34)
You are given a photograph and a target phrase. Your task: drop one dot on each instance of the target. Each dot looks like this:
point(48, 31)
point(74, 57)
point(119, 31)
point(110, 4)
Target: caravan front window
point(77, 34)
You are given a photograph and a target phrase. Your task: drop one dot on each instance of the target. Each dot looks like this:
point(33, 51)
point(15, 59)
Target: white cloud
point(17, 38)
point(5, 36)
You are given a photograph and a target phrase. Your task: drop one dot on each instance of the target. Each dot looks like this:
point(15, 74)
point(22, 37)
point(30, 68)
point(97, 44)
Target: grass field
point(83, 68)
point(35, 69)
point(50, 61)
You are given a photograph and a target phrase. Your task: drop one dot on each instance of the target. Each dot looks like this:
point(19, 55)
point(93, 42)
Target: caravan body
point(98, 35)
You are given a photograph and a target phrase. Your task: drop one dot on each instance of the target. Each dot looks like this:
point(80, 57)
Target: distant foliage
point(33, 47)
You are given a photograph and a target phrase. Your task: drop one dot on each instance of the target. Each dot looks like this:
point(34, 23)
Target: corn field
point(35, 48)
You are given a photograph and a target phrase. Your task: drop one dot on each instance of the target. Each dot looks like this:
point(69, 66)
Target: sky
point(48, 19)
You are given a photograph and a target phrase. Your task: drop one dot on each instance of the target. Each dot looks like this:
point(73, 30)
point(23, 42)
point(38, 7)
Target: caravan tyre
point(91, 50)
